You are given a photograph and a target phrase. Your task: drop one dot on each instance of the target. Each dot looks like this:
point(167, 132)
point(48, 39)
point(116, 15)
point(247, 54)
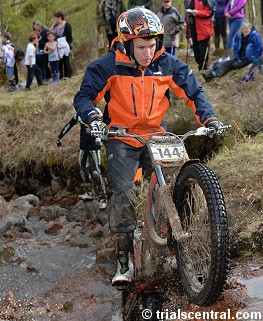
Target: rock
point(56, 186)
point(106, 255)
point(96, 231)
point(7, 254)
point(13, 222)
point(84, 210)
point(30, 198)
point(53, 228)
point(6, 190)
point(50, 213)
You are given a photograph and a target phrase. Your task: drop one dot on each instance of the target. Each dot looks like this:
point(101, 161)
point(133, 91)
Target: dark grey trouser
point(123, 161)
point(231, 65)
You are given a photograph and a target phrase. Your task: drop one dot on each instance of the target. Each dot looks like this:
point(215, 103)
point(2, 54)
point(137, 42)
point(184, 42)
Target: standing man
point(201, 30)
point(173, 22)
point(140, 3)
point(133, 78)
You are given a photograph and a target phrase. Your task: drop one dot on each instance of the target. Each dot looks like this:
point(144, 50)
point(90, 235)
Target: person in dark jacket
point(62, 29)
point(133, 78)
point(89, 161)
point(173, 23)
point(220, 24)
point(41, 57)
point(140, 3)
point(247, 49)
point(109, 12)
point(201, 30)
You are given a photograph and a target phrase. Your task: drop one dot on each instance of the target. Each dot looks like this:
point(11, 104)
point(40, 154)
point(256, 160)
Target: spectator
point(173, 22)
point(189, 40)
point(63, 33)
point(220, 24)
point(109, 12)
point(140, 3)
point(247, 49)
point(133, 78)
point(89, 161)
point(41, 57)
point(19, 56)
point(51, 48)
point(8, 59)
point(30, 61)
point(201, 29)
point(235, 12)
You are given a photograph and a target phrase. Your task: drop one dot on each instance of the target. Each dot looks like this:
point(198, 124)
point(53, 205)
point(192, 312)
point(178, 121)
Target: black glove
point(217, 125)
point(98, 126)
point(58, 142)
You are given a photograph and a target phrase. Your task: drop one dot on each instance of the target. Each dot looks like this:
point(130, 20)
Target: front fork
point(171, 212)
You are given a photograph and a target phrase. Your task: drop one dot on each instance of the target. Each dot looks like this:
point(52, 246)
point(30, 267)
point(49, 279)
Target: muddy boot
point(125, 268)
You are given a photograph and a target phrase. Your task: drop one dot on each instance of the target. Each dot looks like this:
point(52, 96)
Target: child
point(51, 48)
point(89, 160)
point(30, 61)
point(9, 61)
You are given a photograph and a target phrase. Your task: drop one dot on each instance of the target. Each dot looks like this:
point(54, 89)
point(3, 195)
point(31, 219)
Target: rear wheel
point(203, 259)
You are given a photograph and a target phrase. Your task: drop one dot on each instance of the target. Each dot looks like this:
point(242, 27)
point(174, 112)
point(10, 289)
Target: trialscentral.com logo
point(209, 315)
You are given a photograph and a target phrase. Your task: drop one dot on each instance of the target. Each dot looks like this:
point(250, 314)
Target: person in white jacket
point(8, 59)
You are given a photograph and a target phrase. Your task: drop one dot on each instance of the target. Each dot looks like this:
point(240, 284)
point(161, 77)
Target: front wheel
point(202, 259)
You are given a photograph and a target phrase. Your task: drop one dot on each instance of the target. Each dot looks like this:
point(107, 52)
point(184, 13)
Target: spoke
point(197, 251)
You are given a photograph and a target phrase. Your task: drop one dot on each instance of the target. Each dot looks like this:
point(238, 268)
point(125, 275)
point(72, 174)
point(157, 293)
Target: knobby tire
point(203, 259)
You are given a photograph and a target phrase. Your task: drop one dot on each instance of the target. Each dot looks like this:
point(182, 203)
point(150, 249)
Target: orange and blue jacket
point(138, 98)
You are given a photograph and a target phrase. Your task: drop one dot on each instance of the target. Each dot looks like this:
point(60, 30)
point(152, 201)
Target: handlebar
point(167, 138)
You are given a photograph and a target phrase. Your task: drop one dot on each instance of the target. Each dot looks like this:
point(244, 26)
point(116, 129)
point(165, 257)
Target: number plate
point(168, 152)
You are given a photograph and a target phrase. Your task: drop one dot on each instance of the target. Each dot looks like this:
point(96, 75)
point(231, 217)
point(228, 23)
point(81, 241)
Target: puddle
point(254, 287)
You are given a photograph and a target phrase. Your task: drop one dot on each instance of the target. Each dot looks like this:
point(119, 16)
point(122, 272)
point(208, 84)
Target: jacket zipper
point(133, 99)
point(153, 93)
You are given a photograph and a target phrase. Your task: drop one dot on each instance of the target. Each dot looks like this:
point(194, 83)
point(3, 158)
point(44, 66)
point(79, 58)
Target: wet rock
point(13, 222)
point(53, 228)
point(96, 231)
point(83, 211)
point(7, 254)
point(106, 255)
point(50, 213)
point(23, 204)
point(30, 198)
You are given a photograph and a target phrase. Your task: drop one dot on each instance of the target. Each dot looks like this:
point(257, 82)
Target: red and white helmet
point(138, 23)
